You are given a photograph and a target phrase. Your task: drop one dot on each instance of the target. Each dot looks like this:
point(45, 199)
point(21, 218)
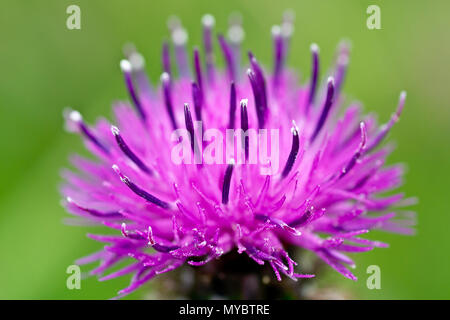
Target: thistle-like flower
point(165, 214)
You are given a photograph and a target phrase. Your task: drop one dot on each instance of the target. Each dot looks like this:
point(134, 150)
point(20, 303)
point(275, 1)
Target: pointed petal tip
point(403, 95)
point(401, 104)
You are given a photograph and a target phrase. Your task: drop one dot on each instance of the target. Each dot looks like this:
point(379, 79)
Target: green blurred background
point(45, 67)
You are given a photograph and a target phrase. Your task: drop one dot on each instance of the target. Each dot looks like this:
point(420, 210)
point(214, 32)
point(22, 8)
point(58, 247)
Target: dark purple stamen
point(258, 98)
point(127, 151)
point(139, 75)
point(88, 134)
point(233, 104)
point(228, 55)
point(258, 83)
point(314, 76)
point(277, 222)
point(165, 79)
point(244, 127)
point(198, 70)
point(326, 108)
point(189, 124)
point(235, 36)
point(143, 81)
point(302, 219)
point(361, 182)
point(96, 213)
point(163, 248)
point(134, 236)
point(293, 154)
point(166, 58)
point(341, 66)
point(358, 153)
point(179, 39)
point(226, 183)
point(197, 98)
point(260, 78)
point(384, 130)
point(287, 29)
point(278, 54)
point(208, 24)
point(125, 65)
point(340, 76)
point(140, 192)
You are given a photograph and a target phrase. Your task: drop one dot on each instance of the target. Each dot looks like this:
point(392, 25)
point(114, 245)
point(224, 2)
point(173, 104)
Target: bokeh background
point(46, 67)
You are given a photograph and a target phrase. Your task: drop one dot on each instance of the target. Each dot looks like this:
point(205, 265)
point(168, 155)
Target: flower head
point(166, 214)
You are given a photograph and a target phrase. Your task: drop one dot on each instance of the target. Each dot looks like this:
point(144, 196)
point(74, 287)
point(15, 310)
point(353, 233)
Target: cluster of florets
point(167, 215)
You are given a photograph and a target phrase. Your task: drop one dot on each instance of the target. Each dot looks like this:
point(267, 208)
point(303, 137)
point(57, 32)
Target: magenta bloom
point(165, 215)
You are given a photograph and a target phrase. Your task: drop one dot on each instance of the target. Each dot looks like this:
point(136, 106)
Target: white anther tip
point(287, 29)
point(362, 125)
point(403, 95)
point(179, 36)
point(75, 116)
point(276, 30)
point(314, 48)
point(115, 131)
point(125, 65)
point(208, 20)
point(116, 168)
point(330, 81)
point(165, 77)
point(72, 119)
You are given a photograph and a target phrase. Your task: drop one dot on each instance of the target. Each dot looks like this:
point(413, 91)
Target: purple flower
point(165, 215)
